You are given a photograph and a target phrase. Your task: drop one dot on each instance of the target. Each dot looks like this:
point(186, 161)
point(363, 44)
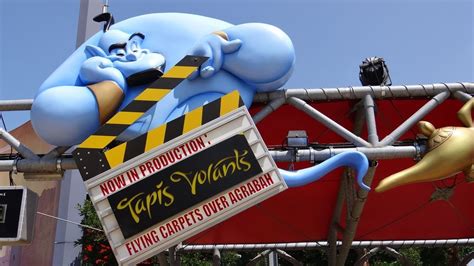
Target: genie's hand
point(97, 69)
point(215, 47)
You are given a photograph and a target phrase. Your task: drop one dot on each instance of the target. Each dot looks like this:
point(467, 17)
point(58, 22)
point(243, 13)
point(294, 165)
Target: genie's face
point(138, 65)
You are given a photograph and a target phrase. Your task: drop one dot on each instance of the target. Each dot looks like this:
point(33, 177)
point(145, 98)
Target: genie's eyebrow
point(117, 45)
point(139, 34)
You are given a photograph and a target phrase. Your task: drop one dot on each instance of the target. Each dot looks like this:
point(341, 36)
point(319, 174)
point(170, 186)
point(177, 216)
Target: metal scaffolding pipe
point(331, 124)
point(42, 165)
point(16, 105)
point(390, 251)
point(365, 258)
point(412, 120)
point(352, 220)
point(48, 164)
point(216, 257)
point(273, 258)
point(370, 120)
point(268, 109)
point(322, 94)
point(341, 195)
point(324, 244)
point(259, 257)
point(336, 217)
point(462, 96)
point(288, 258)
point(56, 152)
point(380, 153)
point(12, 141)
point(172, 256)
point(377, 92)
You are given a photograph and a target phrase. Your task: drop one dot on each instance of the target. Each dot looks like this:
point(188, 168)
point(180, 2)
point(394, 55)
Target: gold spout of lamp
point(450, 151)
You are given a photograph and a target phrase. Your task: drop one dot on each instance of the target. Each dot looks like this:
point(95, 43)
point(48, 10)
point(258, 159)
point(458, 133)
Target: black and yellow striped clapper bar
point(91, 156)
point(173, 129)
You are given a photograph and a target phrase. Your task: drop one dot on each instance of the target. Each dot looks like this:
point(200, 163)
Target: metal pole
point(86, 26)
point(12, 141)
point(369, 106)
point(353, 219)
point(172, 256)
point(268, 109)
point(377, 92)
point(462, 90)
point(216, 257)
point(258, 258)
point(43, 165)
point(462, 96)
point(331, 124)
point(400, 257)
point(50, 164)
point(322, 244)
point(16, 105)
point(417, 116)
point(288, 258)
point(390, 251)
point(336, 217)
point(341, 195)
point(56, 152)
point(367, 256)
point(380, 153)
point(273, 258)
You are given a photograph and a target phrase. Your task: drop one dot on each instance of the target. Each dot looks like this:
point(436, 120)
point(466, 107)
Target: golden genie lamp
point(450, 150)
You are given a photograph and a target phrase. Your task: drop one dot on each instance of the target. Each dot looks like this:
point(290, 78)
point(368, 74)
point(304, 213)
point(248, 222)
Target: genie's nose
point(131, 56)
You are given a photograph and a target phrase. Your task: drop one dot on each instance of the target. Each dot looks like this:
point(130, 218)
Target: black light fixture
point(374, 72)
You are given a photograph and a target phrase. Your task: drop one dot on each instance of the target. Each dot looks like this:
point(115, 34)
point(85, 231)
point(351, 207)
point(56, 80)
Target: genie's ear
point(92, 50)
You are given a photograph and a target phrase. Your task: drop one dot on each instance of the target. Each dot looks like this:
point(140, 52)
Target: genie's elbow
point(266, 58)
point(64, 115)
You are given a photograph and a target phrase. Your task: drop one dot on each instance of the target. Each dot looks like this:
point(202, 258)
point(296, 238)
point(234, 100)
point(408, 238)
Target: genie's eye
point(118, 52)
point(134, 46)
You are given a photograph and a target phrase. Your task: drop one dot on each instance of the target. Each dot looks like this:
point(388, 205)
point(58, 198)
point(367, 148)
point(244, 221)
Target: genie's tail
point(353, 159)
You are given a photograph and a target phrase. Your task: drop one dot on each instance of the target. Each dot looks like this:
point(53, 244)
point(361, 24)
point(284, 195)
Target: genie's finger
point(201, 50)
point(231, 46)
point(105, 64)
point(194, 75)
point(207, 72)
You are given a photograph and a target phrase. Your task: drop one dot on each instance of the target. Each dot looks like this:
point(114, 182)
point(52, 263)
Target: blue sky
point(422, 41)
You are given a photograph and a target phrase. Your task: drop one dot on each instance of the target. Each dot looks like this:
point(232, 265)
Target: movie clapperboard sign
point(178, 179)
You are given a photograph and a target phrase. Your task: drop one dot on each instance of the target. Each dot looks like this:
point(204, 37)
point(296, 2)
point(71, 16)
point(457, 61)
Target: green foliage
point(89, 215)
point(230, 258)
point(198, 259)
point(308, 257)
point(95, 247)
point(413, 255)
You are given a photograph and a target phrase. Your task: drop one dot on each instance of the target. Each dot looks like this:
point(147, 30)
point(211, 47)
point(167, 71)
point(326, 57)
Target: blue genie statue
point(111, 68)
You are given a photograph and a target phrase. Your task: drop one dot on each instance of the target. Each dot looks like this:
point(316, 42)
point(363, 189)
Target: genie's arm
point(266, 57)
point(259, 54)
point(65, 115)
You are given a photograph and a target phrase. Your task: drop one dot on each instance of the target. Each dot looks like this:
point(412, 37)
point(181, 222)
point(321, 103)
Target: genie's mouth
point(145, 76)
